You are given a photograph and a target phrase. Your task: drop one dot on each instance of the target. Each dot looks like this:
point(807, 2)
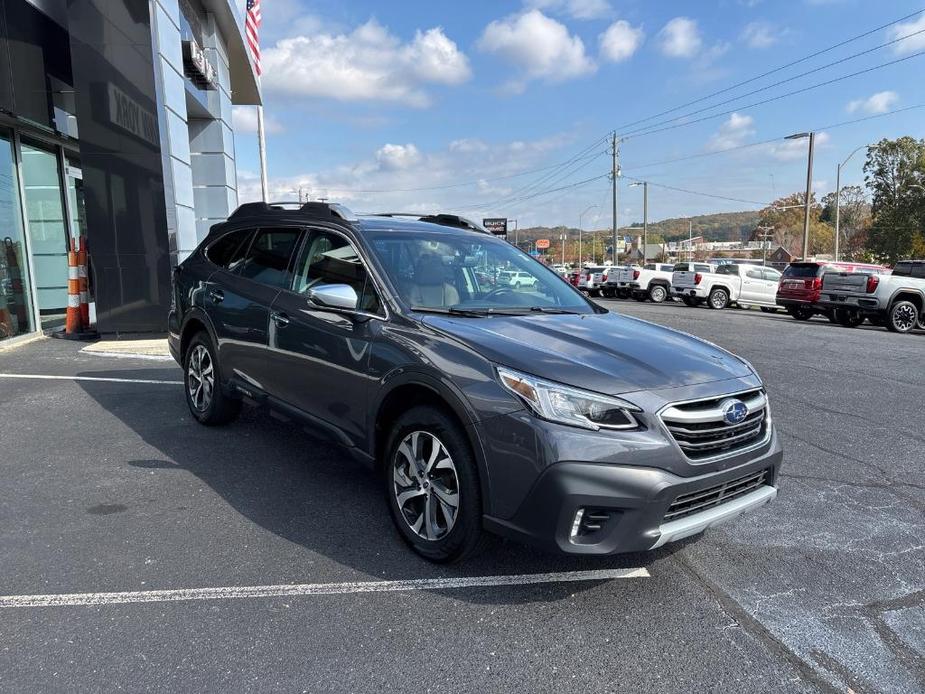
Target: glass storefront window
point(48, 231)
point(15, 305)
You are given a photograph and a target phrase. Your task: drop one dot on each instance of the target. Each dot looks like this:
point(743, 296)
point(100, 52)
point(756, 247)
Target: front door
point(321, 355)
point(238, 299)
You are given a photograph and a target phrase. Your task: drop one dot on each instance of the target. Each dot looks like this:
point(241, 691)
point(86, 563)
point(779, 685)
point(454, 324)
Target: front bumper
point(635, 500)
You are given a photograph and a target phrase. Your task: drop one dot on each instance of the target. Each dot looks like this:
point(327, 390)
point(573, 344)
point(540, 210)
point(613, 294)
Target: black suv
point(527, 411)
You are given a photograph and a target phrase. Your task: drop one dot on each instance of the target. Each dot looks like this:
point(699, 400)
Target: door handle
point(217, 296)
point(281, 319)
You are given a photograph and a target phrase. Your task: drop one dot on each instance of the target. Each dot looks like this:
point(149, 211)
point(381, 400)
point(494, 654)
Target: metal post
point(809, 195)
point(837, 209)
point(614, 174)
point(690, 241)
point(562, 238)
point(262, 146)
point(645, 222)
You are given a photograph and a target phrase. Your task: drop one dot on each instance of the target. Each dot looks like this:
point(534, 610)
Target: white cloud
point(577, 9)
point(732, 133)
point(881, 102)
point(244, 120)
point(760, 35)
point(912, 44)
point(620, 41)
point(393, 157)
point(368, 64)
point(540, 46)
point(680, 38)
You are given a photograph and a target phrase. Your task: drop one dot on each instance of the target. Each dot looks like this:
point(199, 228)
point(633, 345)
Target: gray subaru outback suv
point(531, 412)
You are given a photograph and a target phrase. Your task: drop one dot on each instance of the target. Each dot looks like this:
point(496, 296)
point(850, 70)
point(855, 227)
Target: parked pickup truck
point(686, 279)
point(801, 285)
point(591, 279)
point(896, 300)
point(651, 281)
point(741, 284)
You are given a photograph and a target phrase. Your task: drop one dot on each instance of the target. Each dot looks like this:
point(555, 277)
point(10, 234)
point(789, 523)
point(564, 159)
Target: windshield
point(471, 274)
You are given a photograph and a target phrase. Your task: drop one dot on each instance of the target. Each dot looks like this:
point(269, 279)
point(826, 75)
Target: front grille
point(701, 431)
point(696, 502)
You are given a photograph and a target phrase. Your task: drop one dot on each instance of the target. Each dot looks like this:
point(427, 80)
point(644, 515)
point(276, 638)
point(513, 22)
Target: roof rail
point(314, 209)
point(441, 218)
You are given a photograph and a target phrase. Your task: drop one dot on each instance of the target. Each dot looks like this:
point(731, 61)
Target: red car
point(801, 285)
point(573, 276)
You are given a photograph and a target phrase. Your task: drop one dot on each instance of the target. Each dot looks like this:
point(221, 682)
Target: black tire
point(658, 293)
point(718, 299)
point(465, 532)
point(594, 292)
point(607, 293)
point(847, 318)
point(623, 294)
point(689, 301)
point(903, 317)
point(801, 312)
point(768, 309)
point(214, 407)
point(640, 296)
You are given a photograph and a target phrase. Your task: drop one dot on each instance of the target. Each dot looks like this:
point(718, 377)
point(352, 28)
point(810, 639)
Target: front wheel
point(432, 485)
point(719, 298)
point(903, 317)
point(801, 313)
point(207, 402)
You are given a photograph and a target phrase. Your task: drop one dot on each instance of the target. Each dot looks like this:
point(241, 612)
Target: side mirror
point(341, 296)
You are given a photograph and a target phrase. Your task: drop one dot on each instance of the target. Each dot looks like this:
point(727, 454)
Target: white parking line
point(309, 589)
point(102, 379)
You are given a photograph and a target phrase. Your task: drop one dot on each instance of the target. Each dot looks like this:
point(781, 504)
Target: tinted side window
point(228, 251)
point(330, 259)
point(702, 268)
point(903, 269)
point(918, 270)
point(267, 260)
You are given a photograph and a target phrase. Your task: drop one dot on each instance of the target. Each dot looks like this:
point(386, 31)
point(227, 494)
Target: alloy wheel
point(425, 485)
point(658, 294)
point(200, 377)
point(905, 317)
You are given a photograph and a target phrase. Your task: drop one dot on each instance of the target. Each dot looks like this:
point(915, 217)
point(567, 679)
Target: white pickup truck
point(686, 278)
point(592, 278)
point(651, 281)
point(895, 300)
point(741, 284)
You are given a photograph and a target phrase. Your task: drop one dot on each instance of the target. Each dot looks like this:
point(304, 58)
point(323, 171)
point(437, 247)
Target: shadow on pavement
point(313, 494)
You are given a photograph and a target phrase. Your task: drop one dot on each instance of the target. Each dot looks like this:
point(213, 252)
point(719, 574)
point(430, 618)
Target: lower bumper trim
point(697, 523)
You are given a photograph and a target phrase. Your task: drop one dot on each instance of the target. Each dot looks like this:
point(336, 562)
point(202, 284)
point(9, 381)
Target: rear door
point(771, 282)
point(752, 279)
point(239, 298)
point(321, 355)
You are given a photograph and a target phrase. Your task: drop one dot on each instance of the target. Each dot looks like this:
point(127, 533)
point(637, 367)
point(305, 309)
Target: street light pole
point(809, 186)
point(645, 219)
point(838, 197)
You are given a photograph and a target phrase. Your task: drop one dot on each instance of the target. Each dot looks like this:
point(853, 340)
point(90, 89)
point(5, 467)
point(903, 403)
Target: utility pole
point(515, 232)
point(765, 232)
point(809, 186)
point(614, 175)
point(690, 241)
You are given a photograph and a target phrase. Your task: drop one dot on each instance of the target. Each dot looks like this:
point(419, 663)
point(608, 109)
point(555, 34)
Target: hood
point(606, 353)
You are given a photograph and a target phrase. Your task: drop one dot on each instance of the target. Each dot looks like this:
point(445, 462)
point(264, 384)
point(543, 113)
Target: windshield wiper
point(553, 309)
point(452, 310)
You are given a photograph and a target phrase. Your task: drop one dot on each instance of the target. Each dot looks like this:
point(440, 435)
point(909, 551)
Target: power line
point(769, 100)
point(478, 206)
point(701, 193)
point(771, 72)
point(779, 83)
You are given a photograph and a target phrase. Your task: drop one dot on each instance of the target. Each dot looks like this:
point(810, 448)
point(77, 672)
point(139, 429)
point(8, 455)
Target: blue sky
point(363, 98)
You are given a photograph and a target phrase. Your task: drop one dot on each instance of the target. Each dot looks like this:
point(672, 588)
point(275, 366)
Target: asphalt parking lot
point(109, 487)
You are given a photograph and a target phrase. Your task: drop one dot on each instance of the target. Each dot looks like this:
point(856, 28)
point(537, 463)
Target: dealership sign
point(197, 66)
point(496, 225)
point(129, 115)
point(542, 244)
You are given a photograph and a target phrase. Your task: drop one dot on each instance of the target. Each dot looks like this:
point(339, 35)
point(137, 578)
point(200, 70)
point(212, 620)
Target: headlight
point(559, 403)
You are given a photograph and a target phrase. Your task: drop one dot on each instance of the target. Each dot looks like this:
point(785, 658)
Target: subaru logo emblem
point(734, 411)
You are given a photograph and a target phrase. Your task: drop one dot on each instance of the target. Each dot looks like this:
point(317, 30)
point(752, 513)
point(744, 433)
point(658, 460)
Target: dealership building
point(115, 126)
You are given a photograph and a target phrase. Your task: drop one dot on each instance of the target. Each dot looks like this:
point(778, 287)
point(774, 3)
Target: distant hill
point(723, 226)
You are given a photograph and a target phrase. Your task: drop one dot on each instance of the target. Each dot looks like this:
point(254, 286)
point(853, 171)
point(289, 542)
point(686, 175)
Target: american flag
point(251, 25)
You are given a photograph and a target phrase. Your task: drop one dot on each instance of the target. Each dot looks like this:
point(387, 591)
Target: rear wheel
point(658, 293)
point(719, 298)
point(903, 317)
point(848, 319)
point(207, 402)
point(801, 312)
point(432, 485)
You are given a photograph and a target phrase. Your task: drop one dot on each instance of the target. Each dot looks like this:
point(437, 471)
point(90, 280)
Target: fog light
point(576, 525)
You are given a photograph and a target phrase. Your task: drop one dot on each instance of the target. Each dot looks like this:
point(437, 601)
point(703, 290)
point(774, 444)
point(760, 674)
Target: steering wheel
point(497, 292)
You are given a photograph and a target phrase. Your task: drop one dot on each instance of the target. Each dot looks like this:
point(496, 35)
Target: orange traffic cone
point(72, 323)
point(82, 284)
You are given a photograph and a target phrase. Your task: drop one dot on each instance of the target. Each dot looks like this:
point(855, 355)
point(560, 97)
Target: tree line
point(883, 221)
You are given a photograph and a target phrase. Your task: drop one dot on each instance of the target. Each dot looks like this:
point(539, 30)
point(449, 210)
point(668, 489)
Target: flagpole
point(262, 145)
